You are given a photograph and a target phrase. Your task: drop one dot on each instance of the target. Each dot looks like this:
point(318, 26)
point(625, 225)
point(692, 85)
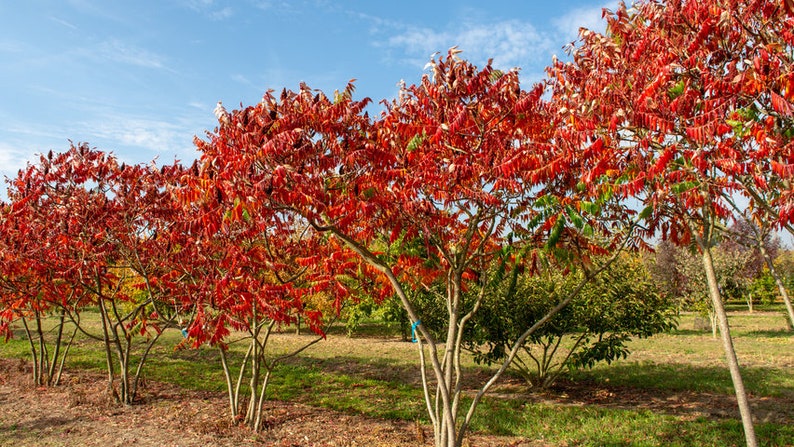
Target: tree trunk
point(713, 320)
point(229, 385)
point(727, 343)
point(51, 373)
point(44, 355)
point(136, 379)
point(780, 286)
point(108, 348)
point(33, 353)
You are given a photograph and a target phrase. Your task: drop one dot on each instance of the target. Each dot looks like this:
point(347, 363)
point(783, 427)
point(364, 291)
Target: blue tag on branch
point(413, 330)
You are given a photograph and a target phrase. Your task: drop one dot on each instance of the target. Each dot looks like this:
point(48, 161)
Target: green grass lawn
point(377, 376)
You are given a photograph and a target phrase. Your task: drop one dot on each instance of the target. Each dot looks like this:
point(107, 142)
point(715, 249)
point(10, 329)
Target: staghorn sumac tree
point(427, 195)
point(144, 239)
point(483, 182)
point(693, 100)
point(31, 290)
point(99, 243)
point(252, 269)
point(53, 233)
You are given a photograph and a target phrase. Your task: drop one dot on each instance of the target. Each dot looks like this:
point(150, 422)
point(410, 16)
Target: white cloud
point(12, 159)
point(510, 43)
point(590, 17)
point(132, 139)
point(221, 14)
point(130, 133)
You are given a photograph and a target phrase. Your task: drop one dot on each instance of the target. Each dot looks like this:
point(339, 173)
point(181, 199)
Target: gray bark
point(727, 343)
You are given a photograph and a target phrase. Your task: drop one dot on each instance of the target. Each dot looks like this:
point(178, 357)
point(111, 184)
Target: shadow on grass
point(781, 333)
point(772, 382)
point(594, 425)
point(381, 369)
point(311, 384)
point(371, 330)
point(695, 332)
point(385, 369)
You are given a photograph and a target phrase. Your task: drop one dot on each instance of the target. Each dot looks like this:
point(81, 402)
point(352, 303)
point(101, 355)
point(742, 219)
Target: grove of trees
point(468, 197)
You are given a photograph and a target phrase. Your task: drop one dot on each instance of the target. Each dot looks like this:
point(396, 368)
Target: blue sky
point(142, 78)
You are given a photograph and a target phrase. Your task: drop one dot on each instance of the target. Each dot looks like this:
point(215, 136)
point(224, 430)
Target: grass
point(377, 377)
point(590, 425)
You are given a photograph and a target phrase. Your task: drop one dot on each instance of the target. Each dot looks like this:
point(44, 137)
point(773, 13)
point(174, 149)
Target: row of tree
point(675, 122)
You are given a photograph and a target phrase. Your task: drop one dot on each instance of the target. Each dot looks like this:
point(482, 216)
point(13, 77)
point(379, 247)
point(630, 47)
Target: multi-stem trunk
point(116, 326)
point(47, 369)
point(256, 361)
point(442, 403)
point(233, 387)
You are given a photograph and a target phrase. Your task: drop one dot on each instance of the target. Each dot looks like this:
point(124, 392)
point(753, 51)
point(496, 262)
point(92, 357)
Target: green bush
point(621, 303)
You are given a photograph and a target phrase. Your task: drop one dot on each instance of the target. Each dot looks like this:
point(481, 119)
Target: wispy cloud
point(142, 135)
point(510, 43)
point(118, 51)
point(63, 22)
point(198, 105)
point(10, 46)
point(211, 9)
point(222, 14)
point(241, 79)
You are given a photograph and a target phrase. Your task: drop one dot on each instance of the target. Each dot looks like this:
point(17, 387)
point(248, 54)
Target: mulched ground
point(80, 412)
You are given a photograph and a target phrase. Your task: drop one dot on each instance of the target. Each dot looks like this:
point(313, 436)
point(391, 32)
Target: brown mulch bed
point(80, 412)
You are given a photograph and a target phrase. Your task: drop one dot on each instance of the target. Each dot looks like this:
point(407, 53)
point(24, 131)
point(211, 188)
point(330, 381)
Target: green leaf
point(738, 127)
point(546, 201)
point(676, 90)
point(415, 142)
point(733, 123)
point(496, 74)
point(678, 188)
point(576, 219)
point(535, 221)
point(370, 192)
point(590, 207)
point(556, 232)
point(646, 212)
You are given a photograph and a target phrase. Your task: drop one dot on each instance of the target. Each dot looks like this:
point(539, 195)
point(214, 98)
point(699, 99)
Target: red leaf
point(781, 105)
